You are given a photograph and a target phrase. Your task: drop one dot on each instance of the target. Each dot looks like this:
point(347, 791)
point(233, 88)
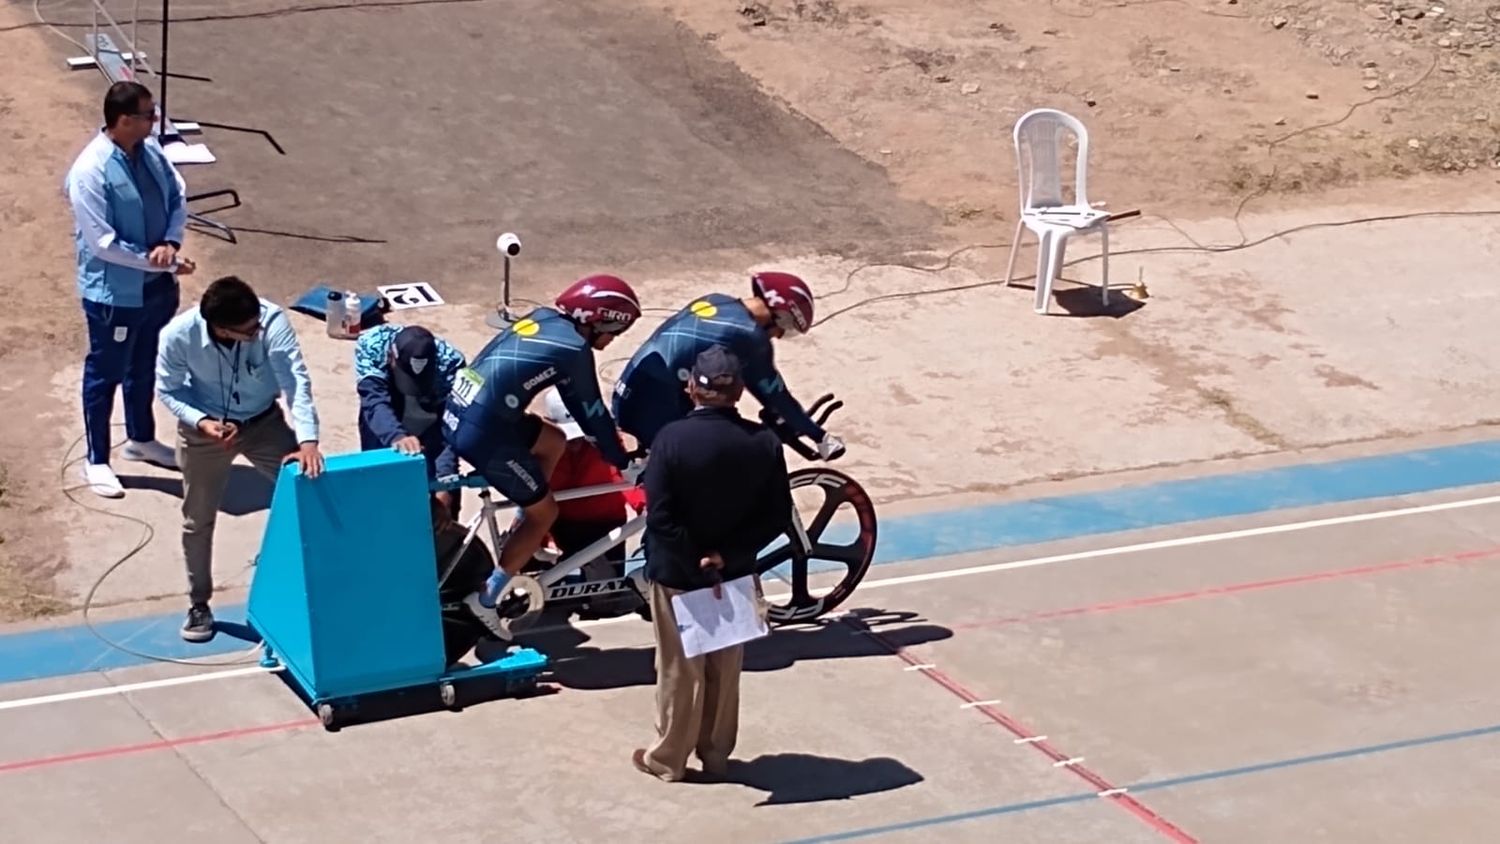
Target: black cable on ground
point(1196, 247)
point(147, 534)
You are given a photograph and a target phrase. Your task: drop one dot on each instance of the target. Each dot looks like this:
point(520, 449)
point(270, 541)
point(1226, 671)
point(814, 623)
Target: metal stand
point(503, 317)
point(509, 246)
point(234, 202)
point(168, 132)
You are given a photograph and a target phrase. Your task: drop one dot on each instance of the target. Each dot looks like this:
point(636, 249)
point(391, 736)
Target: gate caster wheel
point(449, 696)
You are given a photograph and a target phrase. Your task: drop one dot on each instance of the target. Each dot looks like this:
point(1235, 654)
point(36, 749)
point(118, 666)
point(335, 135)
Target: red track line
point(159, 744)
point(1233, 588)
point(1099, 783)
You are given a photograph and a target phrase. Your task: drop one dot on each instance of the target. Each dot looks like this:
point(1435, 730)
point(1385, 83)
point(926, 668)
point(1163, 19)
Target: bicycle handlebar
point(793, 440)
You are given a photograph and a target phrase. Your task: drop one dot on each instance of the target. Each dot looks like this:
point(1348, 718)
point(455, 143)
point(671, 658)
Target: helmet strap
point(786, 322)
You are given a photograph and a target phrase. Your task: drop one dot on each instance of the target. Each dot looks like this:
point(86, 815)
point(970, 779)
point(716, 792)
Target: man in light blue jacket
point(223, 369)
point(129, 211)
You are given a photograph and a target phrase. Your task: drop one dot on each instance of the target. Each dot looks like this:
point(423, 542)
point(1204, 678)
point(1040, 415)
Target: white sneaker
point(102, 481)
point(152, 452)
point(488, 616)
point(547, 555)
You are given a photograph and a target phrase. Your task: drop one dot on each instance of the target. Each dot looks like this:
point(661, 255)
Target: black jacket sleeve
point(664, 527)
point(375, 406)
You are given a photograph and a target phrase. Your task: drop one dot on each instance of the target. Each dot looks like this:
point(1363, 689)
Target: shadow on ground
point(236, 630)
point(248, 491)
point(426, 699)
point(804, 778)
point(576, 665)
point(1084, 300)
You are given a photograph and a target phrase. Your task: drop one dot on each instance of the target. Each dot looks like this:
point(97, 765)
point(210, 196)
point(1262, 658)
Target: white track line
point(1137, 548)
point(136, 687)
point(1181, 542)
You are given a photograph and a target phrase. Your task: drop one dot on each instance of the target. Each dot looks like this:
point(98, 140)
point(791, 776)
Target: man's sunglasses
point(247, 331)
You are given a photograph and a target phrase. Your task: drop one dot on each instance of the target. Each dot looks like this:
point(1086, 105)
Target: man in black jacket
point(716, 494)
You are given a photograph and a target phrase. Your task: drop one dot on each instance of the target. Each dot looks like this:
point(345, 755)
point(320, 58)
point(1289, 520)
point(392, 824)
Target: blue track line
point(1156, 785)
point(72, 650)
point(922, 823)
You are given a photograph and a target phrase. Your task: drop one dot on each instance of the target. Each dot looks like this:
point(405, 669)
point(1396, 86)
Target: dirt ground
point(42, 326)
point(681, 144)
point(1192, 105)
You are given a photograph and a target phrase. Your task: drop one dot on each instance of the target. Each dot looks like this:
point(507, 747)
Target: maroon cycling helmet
point(605, 302)
point(789, 298)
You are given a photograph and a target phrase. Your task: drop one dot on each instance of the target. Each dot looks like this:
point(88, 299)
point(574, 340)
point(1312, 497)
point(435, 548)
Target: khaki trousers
point(205, 472)
point(697, 700)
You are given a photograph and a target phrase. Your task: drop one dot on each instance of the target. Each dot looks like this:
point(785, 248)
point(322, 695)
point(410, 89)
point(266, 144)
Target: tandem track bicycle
point(804, 552)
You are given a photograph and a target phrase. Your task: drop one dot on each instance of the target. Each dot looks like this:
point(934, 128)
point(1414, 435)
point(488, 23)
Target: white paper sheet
point(185, 153)
point(707, 624)
point(411, 294)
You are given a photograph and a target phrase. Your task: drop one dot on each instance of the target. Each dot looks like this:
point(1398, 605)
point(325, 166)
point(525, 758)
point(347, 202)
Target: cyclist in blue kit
point(487, 423)
point(651, 389)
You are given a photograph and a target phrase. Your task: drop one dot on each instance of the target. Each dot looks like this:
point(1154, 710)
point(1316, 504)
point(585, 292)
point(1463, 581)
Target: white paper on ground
point(412, 294)
point(707, 624)
point(180, 152)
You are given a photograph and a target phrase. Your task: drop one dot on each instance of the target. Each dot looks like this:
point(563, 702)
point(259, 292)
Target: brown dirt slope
point(1191, 104)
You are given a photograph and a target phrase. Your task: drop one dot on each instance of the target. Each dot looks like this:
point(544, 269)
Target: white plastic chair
point(1038, 137)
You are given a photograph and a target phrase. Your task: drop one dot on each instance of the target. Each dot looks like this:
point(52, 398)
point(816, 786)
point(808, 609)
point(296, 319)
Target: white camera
point(509, 244)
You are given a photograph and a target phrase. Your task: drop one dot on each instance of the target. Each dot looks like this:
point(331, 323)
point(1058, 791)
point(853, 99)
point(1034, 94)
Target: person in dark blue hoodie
point(404, 375)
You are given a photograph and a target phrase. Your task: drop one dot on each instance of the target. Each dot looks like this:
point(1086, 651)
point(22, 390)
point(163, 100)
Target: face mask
point(419, 411)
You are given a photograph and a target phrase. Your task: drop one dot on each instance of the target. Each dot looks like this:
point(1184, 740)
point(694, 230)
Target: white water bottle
point(334, 314)
point(353, 314)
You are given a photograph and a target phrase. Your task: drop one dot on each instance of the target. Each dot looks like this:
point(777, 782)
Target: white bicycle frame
point(577, 560)
point(564, 567)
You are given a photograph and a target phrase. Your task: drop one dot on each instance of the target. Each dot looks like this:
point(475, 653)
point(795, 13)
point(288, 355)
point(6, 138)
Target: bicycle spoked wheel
point(839, 520)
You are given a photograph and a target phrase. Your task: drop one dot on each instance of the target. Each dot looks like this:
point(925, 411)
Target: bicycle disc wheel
point(839, 520)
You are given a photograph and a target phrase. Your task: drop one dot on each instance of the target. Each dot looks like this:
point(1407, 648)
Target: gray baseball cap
point(717, 369)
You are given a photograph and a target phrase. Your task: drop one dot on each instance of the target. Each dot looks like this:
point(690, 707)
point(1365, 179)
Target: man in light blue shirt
point(129, 214)
point(221, 368)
